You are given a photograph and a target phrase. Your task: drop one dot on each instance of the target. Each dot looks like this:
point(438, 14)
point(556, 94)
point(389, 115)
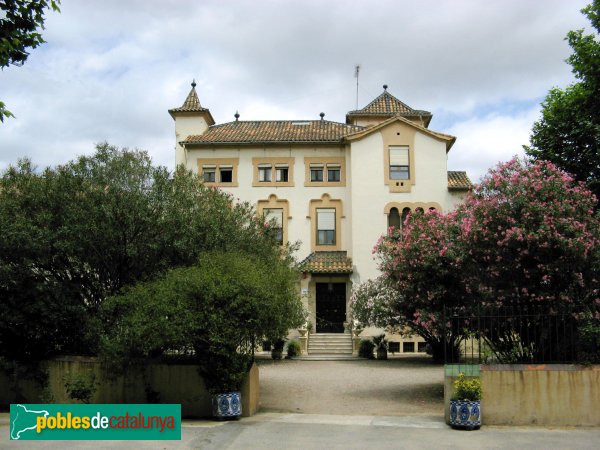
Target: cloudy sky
point(110, 69)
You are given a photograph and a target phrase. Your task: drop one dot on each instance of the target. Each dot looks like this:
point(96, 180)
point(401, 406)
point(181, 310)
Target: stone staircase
point(330, 344)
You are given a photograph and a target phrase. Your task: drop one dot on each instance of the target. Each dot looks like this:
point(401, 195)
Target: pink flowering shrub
point(527, 237)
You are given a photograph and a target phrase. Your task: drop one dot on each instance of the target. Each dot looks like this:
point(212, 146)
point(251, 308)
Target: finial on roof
point(322, 115)
point(385, 87)
point(194, 83)
point(237, 116)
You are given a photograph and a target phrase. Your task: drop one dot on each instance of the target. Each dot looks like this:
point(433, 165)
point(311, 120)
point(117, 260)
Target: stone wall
point(544, 394)
point(165, 383)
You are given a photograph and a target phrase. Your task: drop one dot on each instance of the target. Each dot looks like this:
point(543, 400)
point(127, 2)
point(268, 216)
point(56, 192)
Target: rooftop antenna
point(356, 72)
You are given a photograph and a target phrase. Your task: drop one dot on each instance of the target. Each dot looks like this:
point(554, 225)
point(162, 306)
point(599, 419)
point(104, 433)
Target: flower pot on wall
point(227, 405)
point(465, 414)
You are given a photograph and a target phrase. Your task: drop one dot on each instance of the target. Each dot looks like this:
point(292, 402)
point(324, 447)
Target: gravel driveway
point(396, 387)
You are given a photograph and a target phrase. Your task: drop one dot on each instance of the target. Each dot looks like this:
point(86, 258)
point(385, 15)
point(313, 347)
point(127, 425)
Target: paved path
point(275, 431)
point(400, 386)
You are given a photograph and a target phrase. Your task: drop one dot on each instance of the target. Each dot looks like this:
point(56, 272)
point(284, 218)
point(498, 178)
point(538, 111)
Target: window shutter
point(399, 156)
point(326, 219)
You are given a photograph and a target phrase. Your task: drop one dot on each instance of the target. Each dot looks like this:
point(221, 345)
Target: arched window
point(405, 214)
point(419, 210)
point(394, 218)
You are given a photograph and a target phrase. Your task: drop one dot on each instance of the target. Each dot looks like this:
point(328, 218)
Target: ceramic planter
point(465, 414)
point(227, 406)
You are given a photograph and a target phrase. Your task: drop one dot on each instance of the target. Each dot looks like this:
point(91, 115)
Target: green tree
point(219, 308)
point(73, 235)
point(568, 134)
point(19, 32)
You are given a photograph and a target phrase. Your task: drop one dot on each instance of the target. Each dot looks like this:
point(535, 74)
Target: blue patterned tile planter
point(465, 414)
point(227, 406)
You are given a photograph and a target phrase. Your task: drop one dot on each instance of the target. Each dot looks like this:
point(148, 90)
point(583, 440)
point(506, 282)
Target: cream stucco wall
point(298, 195)
point(187, 125)
point(364, 196)
point(370, 195)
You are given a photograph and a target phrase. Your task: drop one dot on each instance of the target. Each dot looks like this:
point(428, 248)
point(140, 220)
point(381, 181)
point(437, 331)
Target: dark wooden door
point(331, 307)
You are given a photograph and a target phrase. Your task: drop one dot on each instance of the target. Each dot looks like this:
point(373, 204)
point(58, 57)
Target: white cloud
point(485, 141)
point(111, 69)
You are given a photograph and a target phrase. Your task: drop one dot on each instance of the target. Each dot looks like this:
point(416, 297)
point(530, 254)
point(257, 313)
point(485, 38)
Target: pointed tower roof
point(192, 105)
point(386, 105)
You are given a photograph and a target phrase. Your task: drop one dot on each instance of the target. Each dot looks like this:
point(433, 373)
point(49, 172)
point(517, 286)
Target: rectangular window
point(333, 172)
point(275, 215)
point(399, 163)
point(281, 173)
point(209, 174)
point(264, 173)
point(316, 172)
point(326, 226)
point(226, 173)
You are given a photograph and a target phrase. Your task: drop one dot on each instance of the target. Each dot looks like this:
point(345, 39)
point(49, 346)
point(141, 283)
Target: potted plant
point(365, 349)
point(223, 377)
point(277, 351)
point(381, 344)
point(293, 349)
point(465, 403)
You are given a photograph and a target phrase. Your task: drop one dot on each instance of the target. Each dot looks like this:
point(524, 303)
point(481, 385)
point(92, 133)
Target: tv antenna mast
point(356, 73)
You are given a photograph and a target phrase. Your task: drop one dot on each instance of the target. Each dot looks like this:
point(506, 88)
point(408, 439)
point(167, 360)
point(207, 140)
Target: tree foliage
point(76, 234)
point(568, 134)
point(526, 237)
point(19, 32)
point(219, 308)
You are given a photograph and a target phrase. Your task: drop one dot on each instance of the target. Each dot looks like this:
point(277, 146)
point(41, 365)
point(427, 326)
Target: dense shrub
point(365, 349)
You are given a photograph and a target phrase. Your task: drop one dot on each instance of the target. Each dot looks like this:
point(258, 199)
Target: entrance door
point(331, 307)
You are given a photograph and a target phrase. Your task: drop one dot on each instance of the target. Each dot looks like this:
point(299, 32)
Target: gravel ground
point(396, 387)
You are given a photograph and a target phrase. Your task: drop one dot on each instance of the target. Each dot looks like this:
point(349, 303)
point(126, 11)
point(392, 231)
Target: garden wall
point(544, 394)
point(162, 383)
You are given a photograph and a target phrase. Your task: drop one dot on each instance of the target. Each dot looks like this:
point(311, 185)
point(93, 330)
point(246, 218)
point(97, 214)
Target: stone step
point(329, 351)
point(330, 344)
point(337, 342)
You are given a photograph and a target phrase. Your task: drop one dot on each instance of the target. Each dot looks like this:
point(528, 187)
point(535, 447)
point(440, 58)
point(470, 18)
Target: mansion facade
point(334, 187)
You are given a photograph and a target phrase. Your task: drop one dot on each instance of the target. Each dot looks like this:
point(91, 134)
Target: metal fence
point(510, 335)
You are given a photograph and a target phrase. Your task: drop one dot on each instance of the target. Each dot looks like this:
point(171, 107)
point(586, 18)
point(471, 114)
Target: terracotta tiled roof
point(388, 105)
point(191, 103)
point(459, 181)
point(275, 131)
point(327, 262)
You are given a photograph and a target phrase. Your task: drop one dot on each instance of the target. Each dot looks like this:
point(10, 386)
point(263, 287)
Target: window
point(264, 173)
point(399, 163)
point(316, 172)
point(209, 174)
point(226, 173)
point(218, 171)
point(333, 172)
point(405, 214)
point(275, 212)
point(326, 226)
point(394, 218)
point(324, 171)
point(275, 215)
point(408, 347)
point(273, 171)
point(281, 173)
